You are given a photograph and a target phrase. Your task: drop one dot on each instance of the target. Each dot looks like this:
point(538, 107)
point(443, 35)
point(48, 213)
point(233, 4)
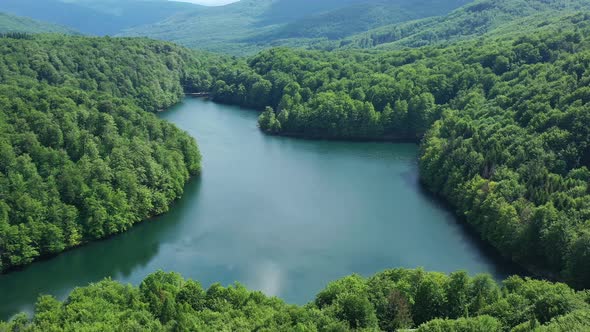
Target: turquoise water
point(280, 215)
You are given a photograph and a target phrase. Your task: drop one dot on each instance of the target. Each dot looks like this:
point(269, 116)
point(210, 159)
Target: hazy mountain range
point(12, 23)
point(248, 26)
point(240, 27)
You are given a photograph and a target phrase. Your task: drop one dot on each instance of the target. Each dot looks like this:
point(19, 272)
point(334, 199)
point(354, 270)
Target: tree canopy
point(80, 158)
point(388, 301)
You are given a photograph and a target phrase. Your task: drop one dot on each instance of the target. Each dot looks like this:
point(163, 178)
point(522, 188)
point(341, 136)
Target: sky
point(209, 2)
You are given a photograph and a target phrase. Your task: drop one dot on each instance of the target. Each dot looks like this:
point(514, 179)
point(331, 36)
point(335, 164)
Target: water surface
point(280, 215)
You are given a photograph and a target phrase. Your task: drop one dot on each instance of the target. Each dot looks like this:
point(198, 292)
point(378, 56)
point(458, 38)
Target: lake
point(280, 215)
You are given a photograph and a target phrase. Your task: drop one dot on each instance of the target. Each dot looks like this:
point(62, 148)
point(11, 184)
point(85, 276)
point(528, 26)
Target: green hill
point(101, 17)
point(251, 25)
point(11, 23)
point(352, 18)
point(80, 158)
point(468, 22)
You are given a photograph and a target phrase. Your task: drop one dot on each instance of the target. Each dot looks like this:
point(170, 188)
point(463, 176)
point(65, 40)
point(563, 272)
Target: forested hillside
point(470, 21)
point(388, 301)
point(80, 158)
point(506, 124)
point(248, 26)
point(12, 24)
point(358, 16)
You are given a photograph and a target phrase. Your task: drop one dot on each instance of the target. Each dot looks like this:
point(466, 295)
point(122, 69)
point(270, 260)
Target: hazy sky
point(209, 2)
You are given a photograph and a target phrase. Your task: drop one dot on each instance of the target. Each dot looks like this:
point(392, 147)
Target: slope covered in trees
point(80, 158)
point(388, 301)
point(468, 22)
point(506, 122)
point(12, 24)
point(248, 26)
point(358, 16)
point(151, 73)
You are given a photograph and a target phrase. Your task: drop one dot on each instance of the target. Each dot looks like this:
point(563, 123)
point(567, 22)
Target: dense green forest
point(482, 17)
point(151, 73)
point(505, 121)
point(502, 121)
point(80, 158)
point(388, 301)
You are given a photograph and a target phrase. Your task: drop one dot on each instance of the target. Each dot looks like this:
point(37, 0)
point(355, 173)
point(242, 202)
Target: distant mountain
point(11, 23)
point(250, 25)
point(97, 17)
point(352, 17)
point(473, 20)
point(247, 26)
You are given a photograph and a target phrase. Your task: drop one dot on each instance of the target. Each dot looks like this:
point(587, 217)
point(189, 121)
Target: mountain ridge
point(470, 21)
point(248, 26)
point(12, 23)
point(107, 17)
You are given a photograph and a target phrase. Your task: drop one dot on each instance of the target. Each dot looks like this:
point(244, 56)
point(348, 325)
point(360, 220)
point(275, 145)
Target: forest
point(476, 19)
point(392, 300)
point(502, 122)
point(81, 158)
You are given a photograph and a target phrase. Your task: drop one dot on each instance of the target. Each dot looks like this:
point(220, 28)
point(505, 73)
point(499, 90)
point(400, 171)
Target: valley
point(340, 153)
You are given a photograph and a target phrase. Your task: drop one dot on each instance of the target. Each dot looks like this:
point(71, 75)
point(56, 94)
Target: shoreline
point(494, 253)
point(519, 268)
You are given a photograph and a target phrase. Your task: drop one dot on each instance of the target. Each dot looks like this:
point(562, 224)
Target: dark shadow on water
point(117, 257)
point(503, 266)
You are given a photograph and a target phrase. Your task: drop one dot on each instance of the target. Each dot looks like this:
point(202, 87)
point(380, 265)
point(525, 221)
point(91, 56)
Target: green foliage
point(152, 73)
point(385, 301)
point(476, 324)
point(79, 159)
point(576, 321)
point(476, 19)
point(351, 17)
point(512, 157)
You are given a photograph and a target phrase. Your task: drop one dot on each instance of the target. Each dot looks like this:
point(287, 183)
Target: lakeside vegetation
point(388, 301)
point(80, 158)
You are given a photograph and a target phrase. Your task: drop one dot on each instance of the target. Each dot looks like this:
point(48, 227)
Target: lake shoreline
point(519, 268)
point(48, 257)
point(280, 215)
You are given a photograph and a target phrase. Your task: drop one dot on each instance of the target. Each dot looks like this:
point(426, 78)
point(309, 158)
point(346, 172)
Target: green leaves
point(388, 301)
point(79, 159)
